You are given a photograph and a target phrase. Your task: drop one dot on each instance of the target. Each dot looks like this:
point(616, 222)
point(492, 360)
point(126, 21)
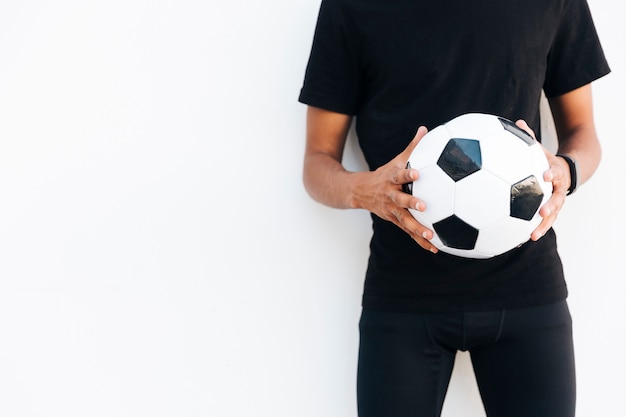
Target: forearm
point(328, 182)
point(575, 127)
point(583, 145)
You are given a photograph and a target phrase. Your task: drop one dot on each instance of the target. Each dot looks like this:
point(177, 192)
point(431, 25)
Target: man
point(398, 68)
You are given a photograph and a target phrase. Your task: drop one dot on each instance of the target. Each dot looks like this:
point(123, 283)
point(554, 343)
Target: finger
point(407, 200)
point(557, 175)
point(425, 244)
point(423, 239)
point(542, 229)
point(404, 175)
point(544, 226)
point(419, 233)
point(554, 175)
point(408, 175)
point(549, 213)
point(523, 125)
point(406, 153)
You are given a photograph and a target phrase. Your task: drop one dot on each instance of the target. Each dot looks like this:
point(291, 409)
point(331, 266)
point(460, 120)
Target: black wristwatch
point(573, 172)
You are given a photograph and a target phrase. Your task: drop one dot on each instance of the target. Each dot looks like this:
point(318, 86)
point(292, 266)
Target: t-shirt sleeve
point(576, 57)
point(331, 79)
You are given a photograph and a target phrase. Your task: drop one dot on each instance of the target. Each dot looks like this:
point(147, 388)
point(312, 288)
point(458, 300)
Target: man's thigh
point(530, 370)
point(401, 372)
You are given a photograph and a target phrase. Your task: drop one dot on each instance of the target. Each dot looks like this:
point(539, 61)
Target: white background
point(158, 255)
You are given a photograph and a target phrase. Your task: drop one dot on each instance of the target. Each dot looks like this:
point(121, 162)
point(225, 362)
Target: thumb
point(421, 132)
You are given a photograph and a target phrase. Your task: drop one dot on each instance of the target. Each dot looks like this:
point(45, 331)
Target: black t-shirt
point(399, 64)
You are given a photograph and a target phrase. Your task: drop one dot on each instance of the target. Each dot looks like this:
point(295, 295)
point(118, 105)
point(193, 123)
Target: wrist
point(354, 187)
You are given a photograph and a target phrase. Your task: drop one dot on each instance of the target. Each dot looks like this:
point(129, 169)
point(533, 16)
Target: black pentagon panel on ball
point(526, 197)
point(520, 133)
point(408, 187)
point(455, 233)
point(460, 158)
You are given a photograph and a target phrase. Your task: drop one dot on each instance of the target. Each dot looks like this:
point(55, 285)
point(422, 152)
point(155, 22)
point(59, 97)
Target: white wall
point(158, 255)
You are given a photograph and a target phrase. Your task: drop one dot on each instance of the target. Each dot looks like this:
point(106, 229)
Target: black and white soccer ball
point(481, 178)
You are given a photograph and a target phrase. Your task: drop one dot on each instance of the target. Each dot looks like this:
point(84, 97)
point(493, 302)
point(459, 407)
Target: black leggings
point(523, 360)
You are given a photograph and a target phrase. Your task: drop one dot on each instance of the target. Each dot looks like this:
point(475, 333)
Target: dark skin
point(380, 191)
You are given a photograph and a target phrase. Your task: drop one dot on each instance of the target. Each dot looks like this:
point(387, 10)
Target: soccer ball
point(481, 178)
